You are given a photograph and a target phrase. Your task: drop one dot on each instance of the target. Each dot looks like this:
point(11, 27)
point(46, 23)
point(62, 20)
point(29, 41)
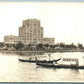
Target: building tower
point(31, 31)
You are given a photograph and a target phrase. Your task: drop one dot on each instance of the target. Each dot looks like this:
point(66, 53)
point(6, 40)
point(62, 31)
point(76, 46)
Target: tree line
point(40, 47)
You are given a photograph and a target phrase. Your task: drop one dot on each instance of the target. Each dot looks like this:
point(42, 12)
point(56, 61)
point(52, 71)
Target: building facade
point(30, 32)
point(49, 41)
point(13, 39)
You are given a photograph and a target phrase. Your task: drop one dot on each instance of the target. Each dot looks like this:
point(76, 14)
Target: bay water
point(12, 70)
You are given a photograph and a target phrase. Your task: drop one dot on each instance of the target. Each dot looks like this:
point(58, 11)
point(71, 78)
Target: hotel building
point(29, 32)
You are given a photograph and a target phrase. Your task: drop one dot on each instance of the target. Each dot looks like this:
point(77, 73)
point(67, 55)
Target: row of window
point(70, 59)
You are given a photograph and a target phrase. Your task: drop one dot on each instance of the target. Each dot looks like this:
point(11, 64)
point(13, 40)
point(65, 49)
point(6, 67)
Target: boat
point(60, 65)
point(35, 59)
point(65, 62)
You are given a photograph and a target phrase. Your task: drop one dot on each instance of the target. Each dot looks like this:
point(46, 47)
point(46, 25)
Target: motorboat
point(66, 62)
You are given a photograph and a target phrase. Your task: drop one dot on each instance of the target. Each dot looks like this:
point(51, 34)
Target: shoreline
point(56, 51)
point(21, 51)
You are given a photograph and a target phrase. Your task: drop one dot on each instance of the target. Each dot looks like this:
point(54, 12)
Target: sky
point(62, 20)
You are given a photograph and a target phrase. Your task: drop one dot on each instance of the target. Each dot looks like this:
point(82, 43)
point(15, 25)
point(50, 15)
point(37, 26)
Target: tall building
point(30, 32)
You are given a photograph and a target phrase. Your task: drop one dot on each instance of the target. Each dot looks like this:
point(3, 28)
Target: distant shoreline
point(21, 51)
point(56, 51)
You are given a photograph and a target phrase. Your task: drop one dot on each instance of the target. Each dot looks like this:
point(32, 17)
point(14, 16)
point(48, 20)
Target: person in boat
point(35, 58)
point(30, 58)
point(49, 56)
point(77, 63)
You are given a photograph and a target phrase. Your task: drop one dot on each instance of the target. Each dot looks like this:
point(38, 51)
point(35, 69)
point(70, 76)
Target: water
point(11, 70)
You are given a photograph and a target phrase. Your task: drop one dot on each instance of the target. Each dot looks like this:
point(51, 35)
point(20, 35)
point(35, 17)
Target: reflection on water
point(29, 53)
point(12, 70)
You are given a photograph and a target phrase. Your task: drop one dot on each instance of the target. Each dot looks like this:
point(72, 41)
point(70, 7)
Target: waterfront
point(11, 70)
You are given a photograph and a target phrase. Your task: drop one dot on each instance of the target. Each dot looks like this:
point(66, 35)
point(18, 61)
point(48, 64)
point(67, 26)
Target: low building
point(49, 41)
point(13, 39)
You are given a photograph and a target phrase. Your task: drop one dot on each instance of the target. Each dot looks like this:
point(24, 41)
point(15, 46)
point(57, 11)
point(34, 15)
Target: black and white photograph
point(41, 41)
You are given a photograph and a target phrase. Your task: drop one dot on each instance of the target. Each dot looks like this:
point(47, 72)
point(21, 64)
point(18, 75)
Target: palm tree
point(19, 46)
point(62, 45)
point(1, 45)
point(46, 46)
point(39, 46)
point(28, 47)
point(80, 46)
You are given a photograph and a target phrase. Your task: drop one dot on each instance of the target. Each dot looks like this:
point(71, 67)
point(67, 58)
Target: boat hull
point(35, 61)
point(51, 65)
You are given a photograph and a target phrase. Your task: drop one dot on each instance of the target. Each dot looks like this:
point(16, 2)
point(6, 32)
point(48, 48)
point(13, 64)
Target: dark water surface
point(11, 70)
